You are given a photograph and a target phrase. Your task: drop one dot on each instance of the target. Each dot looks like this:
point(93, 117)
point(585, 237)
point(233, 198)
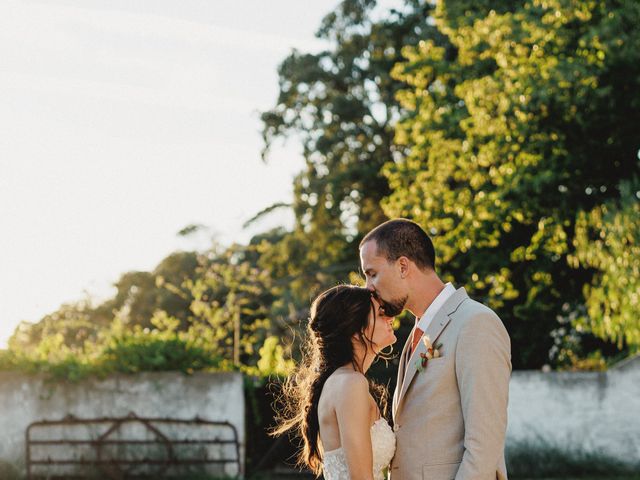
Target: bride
point(328, 401)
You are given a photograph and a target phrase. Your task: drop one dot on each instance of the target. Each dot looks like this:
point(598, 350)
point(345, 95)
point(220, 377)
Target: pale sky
point(122, 122)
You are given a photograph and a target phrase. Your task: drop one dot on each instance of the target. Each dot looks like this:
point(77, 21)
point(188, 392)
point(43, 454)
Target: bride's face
point(380, 328)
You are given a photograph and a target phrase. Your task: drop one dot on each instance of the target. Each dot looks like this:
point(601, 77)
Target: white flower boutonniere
point(432, 352)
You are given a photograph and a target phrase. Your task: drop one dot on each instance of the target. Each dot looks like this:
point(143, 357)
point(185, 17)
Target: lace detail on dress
point(383, 442)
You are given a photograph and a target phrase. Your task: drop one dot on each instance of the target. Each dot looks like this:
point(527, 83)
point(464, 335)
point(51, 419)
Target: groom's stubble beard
point(394, 307)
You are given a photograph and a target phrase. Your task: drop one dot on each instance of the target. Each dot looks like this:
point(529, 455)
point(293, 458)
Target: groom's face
point(384, 279)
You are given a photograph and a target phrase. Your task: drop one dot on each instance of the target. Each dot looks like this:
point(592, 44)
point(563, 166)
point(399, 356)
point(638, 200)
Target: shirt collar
point(438, 302)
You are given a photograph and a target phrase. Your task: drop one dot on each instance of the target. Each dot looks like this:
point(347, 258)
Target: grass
point(542, 460)
point(536, 460)
point(8, 471)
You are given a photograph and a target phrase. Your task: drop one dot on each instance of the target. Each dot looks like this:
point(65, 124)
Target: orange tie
point(417, 335)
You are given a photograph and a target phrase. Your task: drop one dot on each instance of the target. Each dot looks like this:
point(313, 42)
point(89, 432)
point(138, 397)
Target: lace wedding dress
point(383, 442)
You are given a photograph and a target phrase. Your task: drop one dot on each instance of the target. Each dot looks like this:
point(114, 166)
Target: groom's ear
point(403, 265)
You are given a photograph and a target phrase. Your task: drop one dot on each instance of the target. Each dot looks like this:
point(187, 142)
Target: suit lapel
point(437, 325)
point(434, 330)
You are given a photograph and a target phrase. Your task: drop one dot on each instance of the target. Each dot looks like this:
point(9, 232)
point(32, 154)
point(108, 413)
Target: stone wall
point(25, 399)
point(590, 411)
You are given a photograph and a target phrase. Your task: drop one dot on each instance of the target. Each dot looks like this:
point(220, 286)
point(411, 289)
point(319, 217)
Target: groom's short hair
point(403, 238)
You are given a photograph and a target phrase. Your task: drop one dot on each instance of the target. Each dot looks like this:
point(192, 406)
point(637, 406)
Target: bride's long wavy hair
point(336, 316)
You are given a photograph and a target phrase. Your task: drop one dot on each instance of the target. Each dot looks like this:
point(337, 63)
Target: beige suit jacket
point(450, 419)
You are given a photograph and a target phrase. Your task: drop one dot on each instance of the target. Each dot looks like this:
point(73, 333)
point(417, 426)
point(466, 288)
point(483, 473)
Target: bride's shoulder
point(347, 381)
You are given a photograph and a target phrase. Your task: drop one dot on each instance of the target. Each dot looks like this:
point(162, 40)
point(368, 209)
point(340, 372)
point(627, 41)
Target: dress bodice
point(383, 443)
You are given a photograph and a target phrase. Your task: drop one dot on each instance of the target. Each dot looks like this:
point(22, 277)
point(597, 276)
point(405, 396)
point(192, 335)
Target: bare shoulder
point(349, 379)
point(344, 393)
point(345, 385)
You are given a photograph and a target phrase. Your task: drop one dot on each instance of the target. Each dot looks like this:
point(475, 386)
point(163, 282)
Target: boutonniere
point(432, 352)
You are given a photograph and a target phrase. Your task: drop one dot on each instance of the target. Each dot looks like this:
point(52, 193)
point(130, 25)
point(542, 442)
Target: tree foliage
point(608, 240)
point(506, 128)
point(521, 121)
point(340, 103)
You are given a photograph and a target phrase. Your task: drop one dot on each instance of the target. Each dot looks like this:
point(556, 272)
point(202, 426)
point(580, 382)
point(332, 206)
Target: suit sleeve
point(483, 369)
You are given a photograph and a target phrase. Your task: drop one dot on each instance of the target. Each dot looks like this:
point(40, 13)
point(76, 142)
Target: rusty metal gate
point(131, 447)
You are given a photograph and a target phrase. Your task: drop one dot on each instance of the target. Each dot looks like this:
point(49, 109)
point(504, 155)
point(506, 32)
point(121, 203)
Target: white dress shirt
point(438, 302)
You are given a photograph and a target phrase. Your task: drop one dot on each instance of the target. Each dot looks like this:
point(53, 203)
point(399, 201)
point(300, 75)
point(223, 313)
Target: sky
point(121, 122)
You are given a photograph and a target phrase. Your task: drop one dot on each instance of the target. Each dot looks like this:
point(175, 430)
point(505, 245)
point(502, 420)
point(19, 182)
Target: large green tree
point(526, 117)
point(340, 103)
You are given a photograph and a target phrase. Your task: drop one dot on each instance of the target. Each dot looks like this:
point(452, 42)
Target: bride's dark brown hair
point(336, 316)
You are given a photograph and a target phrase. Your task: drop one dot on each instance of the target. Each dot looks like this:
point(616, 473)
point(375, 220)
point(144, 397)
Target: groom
point(450, 402)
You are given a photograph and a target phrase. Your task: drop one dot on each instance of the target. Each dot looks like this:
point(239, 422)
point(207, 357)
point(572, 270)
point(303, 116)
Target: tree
point(70, 325)
point(138, 296)
point(608, 240)
point(230, 298)
point(523, 119)
point(341, 104)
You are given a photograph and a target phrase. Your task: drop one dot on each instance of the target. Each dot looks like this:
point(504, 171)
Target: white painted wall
point(591, 411)
point(25, 399)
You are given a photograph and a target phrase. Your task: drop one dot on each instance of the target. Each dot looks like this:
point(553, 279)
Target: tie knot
point(417, 335)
